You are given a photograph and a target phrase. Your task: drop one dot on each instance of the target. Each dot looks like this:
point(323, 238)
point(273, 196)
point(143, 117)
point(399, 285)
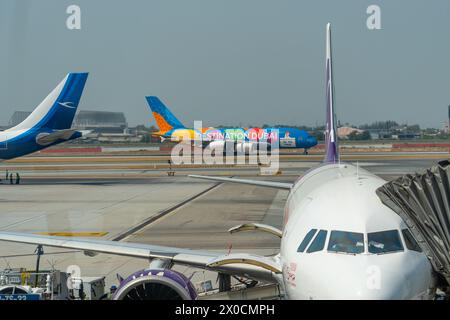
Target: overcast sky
point(232, 62)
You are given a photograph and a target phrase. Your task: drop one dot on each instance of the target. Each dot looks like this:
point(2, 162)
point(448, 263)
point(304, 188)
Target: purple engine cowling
point(156, 284)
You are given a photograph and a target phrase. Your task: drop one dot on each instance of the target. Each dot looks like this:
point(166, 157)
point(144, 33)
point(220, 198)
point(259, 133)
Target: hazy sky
point(232, 61)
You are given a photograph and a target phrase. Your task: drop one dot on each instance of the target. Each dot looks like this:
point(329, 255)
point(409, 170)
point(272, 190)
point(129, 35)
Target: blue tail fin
point(331, 142)
point(165, 119)
point(58, 109)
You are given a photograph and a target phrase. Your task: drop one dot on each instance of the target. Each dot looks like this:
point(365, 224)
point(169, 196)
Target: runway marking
point(74, 234)
point(274, 215)
point(121, 236)
point(9, 226)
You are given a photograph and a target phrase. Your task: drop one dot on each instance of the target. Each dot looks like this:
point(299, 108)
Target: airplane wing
point(193, 142)
point(162, 136)
point(156, 134)
point(269, 184)
point(240, 264)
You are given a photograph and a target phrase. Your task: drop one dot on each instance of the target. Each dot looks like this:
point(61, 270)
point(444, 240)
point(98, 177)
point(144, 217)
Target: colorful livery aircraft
point(244, 139)
point(338, 240)
point(49, 123)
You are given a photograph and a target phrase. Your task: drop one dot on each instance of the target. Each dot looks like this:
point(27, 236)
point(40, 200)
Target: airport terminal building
point(101, 121)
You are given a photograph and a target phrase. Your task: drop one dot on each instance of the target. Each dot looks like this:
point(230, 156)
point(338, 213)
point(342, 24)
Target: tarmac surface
point(148, 206)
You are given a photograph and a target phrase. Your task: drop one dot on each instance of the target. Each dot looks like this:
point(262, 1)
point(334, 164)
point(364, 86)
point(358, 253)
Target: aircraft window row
point(353, 242)
point(346, 242)
point(319, 242)
point(410, 242)
point(384, 242)
point(306, 240)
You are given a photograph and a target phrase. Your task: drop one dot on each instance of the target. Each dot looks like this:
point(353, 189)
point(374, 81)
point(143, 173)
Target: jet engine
point(218, 145)
point(252, 147)
point(156, 284)
point(245, 147)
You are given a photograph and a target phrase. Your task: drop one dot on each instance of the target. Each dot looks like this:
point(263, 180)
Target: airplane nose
point(368, 290)
point(356, 278)
point(370, 285)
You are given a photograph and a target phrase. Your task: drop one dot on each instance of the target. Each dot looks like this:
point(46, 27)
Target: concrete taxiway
point(149, 166)
point(151, 207)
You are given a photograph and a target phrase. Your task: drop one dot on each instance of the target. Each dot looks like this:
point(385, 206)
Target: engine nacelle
point(247, 147)
point(243, 147)
point(254, 147)
point(218, 145)
point(156, 284)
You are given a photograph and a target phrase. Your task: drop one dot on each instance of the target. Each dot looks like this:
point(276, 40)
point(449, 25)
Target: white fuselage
point(342, 198)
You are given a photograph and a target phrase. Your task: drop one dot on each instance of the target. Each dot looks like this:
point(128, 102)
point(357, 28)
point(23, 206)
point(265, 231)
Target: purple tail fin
point(331, 143)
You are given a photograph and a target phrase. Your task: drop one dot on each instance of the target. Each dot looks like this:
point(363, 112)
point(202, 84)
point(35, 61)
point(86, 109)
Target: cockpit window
point(410, 242)
point(384, 242)
point(318, 243)
point(306, 240)
point(346, 242)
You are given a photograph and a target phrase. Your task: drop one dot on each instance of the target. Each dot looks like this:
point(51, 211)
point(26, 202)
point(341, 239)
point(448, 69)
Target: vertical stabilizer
point(58, 109)
point(331, 143)
point(165, 119)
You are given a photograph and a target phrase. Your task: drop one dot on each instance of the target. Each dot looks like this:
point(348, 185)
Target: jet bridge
point(423, 201)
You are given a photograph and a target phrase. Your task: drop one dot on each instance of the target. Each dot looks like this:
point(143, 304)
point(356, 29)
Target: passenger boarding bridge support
point(224, 282)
